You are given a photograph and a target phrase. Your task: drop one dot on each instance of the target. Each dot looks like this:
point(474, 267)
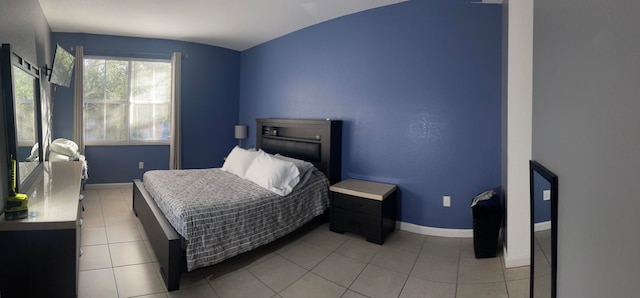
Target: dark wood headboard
point(316, 141)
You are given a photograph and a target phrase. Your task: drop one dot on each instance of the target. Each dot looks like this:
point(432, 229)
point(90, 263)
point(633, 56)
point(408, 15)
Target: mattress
point(220, 215)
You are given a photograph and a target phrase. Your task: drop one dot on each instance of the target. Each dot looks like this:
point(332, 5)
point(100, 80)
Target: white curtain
point(46, 104)
point(78, 127)
point(175, 148)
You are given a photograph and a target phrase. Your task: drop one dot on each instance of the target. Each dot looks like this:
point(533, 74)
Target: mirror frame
point(535, 167)
point(9, 59)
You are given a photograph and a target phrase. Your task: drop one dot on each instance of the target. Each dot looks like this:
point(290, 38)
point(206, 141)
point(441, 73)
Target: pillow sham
point(273, 174)
point(304, 167)
point(238, 161)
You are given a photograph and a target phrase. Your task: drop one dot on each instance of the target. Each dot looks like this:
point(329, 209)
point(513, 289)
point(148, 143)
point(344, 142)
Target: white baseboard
point(519, 261)
point(515, 261)
point(108, 185)
point(440, 232)
point(542, 226)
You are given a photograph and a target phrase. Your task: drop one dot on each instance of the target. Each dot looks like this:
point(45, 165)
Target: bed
point(241, 214)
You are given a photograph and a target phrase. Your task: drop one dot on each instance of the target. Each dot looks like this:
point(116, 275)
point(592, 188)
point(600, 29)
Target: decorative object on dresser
point(363, 207)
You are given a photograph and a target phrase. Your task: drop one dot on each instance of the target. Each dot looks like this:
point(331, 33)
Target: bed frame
point(317, 141)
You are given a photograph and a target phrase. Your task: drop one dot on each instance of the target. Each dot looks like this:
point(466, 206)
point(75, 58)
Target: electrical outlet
point(141, 165)
point(446, 201)
point(546, 195)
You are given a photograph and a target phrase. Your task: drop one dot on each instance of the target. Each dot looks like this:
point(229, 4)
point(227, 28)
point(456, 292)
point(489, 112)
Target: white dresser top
point(54, 197)
point(364, 189)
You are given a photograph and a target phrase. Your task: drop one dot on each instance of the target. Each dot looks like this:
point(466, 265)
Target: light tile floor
point(314, 262)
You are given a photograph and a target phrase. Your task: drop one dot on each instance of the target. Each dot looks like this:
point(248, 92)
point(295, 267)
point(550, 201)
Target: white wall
point(517, 116)
point(586, 129)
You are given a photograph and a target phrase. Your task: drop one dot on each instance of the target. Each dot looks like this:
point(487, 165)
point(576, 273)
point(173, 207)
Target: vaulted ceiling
point(233, 24)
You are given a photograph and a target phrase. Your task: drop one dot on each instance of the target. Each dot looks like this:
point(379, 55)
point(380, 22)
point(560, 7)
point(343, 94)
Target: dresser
point(363, 207)
point(39, 255)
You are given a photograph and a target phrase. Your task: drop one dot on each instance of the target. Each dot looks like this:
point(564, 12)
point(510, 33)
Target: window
point(126, 101)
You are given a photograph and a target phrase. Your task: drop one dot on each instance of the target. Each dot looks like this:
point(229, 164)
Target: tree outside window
point(126, 101)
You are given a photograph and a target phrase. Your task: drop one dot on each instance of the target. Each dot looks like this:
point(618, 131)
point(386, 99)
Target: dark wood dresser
point(39, 255)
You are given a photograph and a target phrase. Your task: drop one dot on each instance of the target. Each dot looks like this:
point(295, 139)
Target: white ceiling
point(233, 24)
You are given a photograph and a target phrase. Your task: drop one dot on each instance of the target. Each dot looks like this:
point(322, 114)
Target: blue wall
point(418, 85)
point(115, 164)
point(210, 78)
point(542, 208)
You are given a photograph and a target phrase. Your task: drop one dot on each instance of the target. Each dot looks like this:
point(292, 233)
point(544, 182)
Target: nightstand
point(363, 207)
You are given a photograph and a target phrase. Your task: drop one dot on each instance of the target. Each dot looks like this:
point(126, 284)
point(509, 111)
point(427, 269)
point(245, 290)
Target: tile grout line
point(113, 271)
point(362, 270)
point(458, 271)
point(411, 270)
point(308, 270)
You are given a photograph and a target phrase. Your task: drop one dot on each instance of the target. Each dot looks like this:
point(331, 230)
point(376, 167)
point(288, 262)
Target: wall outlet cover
point(446, 201)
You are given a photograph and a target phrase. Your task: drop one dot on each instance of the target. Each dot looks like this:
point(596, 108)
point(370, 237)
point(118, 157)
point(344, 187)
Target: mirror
point(544, 226)
point(21, 91)
point(25, 109)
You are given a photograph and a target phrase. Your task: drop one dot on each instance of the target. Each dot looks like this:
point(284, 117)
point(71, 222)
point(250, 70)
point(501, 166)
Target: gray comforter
point(220, 215)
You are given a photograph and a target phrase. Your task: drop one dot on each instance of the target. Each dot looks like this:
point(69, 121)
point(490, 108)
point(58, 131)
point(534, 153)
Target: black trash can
point(487, 219)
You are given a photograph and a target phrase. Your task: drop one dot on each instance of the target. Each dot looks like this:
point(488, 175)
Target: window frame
point(128, 104)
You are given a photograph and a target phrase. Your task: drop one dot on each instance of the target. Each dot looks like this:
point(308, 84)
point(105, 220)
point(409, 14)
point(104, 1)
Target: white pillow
point(34, 153)
point(238, 161)
point(64, 146)
point(304, 167)
point(274, 174)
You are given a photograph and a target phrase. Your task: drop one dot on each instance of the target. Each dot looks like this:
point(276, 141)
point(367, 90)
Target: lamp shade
point(241, 132)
